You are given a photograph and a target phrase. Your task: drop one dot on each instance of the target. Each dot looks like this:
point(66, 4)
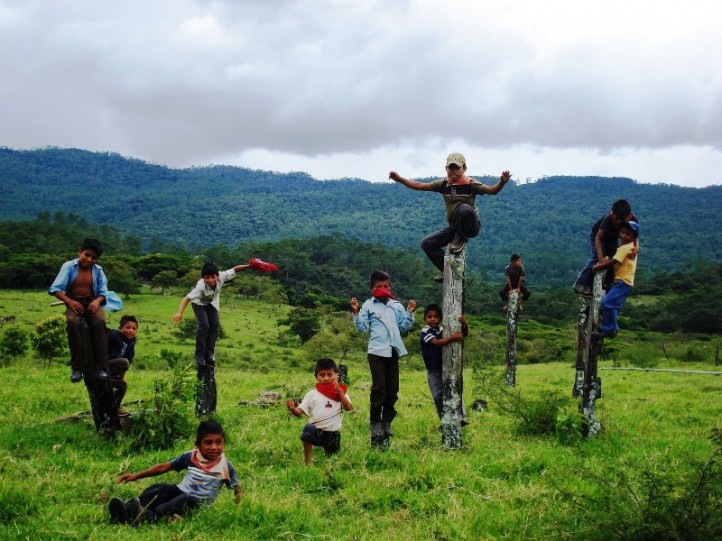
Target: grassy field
point(56, 478)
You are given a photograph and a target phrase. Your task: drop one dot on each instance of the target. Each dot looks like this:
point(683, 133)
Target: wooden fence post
point(453, 353)
point(512, 316)
point(100, 393)
point(592, 390)
point(582, 318)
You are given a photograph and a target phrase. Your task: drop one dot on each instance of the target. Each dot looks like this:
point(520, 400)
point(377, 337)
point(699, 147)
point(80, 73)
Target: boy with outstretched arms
point(624, 270)
point(459, 193)
point(384, 318)
point(324, 407)
point(207, 471)
point(432, 344)
point(515, 281)
point(81, 284)
point(121, 352)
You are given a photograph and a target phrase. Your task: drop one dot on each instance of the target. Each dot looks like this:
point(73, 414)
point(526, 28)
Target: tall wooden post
point(512, 316)
point(592, 390)
point(453, 353)
point(582, 319)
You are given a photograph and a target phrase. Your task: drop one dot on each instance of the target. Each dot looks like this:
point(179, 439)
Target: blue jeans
point(586, 276)
point(163, 499)
point(611, 305)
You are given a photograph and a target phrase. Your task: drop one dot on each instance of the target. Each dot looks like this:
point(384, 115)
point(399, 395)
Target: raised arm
point(413, 184)
point(496, 188)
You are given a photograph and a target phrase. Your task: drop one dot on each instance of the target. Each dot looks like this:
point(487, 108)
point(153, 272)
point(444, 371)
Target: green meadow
point(507, 482)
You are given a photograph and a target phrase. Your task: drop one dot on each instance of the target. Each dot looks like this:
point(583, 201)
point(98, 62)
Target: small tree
point(14, 342)
point(303, 322)
point(164, 279)
point(49, 338)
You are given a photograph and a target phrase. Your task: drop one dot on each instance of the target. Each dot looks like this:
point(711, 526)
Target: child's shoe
point(387, 429)
point(134, 511)
point(117, 511)
point(76, 376)
point(456, 245)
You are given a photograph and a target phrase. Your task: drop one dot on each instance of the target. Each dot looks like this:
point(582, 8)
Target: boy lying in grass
point(208, 470)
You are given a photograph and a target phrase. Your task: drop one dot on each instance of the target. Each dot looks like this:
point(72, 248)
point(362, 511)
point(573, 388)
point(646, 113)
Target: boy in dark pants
point(384, 318)
point(121, 351)
point(208, 471)
point(515, 280)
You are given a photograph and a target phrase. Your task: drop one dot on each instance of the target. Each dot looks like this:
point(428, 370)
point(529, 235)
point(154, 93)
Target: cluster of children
point(82, 286)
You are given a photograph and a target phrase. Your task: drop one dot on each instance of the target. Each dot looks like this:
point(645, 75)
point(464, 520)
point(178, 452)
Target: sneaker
point(134, 511)
point(117, 511)
point(456, 245)
point(465, 422)
point(76, 376)
point(101, 374)
point(583, 290)
point(598, 335)
point(439, 278)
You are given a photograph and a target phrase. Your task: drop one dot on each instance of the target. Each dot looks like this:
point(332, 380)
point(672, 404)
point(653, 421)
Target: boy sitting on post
point(324, 406)
point(81, 284)
point(515, 281)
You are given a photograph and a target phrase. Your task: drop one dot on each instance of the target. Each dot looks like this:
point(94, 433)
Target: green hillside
point(546, 221)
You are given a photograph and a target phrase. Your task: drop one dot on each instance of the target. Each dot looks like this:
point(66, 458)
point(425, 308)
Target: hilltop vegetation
point(547, 221)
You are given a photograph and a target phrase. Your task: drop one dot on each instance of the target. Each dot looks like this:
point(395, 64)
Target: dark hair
point(378, 276)
point(515, 257)
point(209, 427)
point(628, 226)
point(433, 308)
point(209, 269)
point(621, 207)
point(325, 364)
point(92, 244)
point(126, 319)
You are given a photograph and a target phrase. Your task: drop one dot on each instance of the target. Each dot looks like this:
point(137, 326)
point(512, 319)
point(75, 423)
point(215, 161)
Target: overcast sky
point(354, 88)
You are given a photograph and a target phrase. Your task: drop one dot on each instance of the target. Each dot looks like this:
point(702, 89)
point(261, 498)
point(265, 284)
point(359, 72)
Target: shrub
point(49, 338)
point(14, 342)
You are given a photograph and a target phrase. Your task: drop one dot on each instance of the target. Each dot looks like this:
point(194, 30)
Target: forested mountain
point(547, 221)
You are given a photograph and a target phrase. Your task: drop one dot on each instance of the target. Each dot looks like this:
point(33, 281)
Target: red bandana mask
point(329, 390)
point(382, 293)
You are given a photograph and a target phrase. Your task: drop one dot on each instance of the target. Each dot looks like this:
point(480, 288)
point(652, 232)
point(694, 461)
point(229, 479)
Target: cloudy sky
point(354, 88)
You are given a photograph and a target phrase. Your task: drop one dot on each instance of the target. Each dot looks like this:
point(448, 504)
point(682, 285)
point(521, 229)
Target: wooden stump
point(512, 317)
point(453, 353)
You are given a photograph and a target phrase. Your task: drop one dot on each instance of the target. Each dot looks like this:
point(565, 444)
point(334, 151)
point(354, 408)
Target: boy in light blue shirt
point(384, 318)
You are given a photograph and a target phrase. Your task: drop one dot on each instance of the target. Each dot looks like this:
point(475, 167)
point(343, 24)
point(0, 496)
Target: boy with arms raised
point(624, 270)
point(324, 407)
point(384, 318)
point(208, 471)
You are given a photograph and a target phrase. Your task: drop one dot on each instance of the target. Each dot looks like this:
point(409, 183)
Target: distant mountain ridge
point(546, 221)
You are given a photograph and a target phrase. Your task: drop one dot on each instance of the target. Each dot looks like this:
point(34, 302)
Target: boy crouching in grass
point(324, 406)
point(207, 471)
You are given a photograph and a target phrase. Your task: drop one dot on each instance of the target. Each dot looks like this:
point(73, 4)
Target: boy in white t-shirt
point(324, 407)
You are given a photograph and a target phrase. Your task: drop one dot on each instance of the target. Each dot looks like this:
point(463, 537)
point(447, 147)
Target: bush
point(49, 338)
point(14, 342)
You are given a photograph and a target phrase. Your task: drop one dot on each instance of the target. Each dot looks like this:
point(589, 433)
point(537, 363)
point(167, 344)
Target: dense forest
point(322, 273)
point(163, 209)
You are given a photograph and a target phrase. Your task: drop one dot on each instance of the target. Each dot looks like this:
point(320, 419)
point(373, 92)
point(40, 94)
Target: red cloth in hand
point(263, 266)
point(329, 390)
point(382, 293)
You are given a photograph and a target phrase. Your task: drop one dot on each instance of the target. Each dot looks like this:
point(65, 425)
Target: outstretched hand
point(262, 266)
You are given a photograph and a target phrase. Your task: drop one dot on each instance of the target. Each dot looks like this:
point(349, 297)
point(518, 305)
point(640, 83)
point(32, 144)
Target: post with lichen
point(512, 316)
point(592, 388)
point(582, 318)
point(453, 353)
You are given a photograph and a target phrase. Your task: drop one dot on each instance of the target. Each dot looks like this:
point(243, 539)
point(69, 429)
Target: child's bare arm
point(604, 265)
point(496, 188)
point(413, 184)
point(179, 314)
point(242, 267)
point(158, 469)
point(458, 336)
point(291, 405)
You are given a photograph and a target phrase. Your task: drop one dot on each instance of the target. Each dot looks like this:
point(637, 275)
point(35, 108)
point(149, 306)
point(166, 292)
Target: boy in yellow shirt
point(625, 265)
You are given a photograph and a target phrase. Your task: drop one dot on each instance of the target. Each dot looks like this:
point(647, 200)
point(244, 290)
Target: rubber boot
point(387, 429)
point(377, 433)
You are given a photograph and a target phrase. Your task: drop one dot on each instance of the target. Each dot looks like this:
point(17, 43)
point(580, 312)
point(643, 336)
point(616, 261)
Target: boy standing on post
point(459, 193)
point(384, 318)
point(81, 284)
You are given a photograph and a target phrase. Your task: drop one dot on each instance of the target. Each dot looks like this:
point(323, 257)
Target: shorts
point(330, 441)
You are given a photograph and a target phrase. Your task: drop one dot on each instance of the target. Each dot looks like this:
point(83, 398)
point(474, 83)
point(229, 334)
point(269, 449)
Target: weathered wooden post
point(582, 318)
point(592, 389)
point(512, 316)
point(453, 354)
point(206, 394)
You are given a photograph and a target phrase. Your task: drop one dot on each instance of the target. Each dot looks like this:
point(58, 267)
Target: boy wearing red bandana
point(324, 407)
point(384, 318)
point(208, 471)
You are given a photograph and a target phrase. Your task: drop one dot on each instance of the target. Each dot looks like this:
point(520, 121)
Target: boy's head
point(628, 231)
point(325, 371)
point(128, 326)
point(209, 273)
point(210, 439)
point(621, 211)
point(516, 259)
point(433, 315)
point(89, 253)
point(379, 278)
